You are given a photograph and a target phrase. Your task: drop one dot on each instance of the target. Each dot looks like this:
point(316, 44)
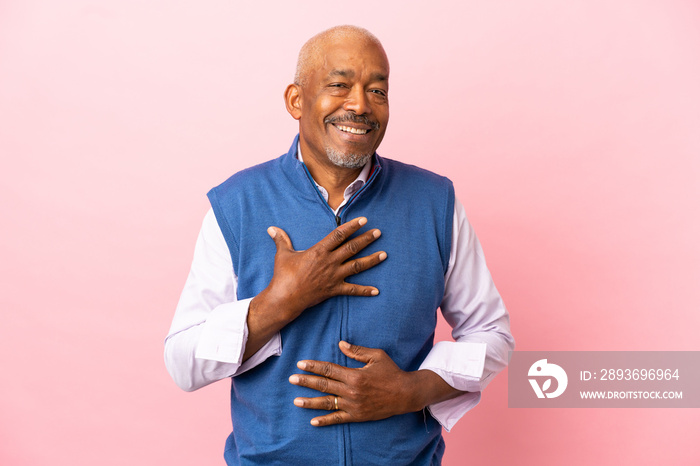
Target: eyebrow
point(378, 77)
point(342, 73)
point(374, 77)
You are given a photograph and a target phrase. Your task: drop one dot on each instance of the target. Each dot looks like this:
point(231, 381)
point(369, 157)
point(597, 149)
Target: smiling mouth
point(350, 129)
point(360, 125)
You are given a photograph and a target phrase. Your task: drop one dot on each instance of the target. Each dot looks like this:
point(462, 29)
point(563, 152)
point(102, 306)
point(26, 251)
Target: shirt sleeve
point(480, 326)
point(208, 334)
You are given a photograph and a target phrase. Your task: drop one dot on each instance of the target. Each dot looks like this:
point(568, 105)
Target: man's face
point(344, 103)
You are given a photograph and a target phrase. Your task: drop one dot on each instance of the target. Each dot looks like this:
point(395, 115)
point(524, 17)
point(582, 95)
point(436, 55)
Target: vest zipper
point(323, 200)
point(374, 174)
point(338, 217)
point(344, 428)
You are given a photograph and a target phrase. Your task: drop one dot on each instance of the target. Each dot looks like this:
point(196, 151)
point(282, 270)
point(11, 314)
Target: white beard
point(347, 160)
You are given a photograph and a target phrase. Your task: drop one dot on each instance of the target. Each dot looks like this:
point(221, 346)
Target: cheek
point(383, 117)
point(327, 106)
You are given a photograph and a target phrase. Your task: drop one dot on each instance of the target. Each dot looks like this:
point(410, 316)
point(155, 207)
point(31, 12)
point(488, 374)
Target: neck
point(333, 178)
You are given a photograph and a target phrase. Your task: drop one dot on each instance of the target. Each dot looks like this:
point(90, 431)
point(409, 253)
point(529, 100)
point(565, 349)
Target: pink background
point(570, 129)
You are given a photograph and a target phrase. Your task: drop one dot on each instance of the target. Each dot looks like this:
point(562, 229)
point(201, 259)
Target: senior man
point(316, 282)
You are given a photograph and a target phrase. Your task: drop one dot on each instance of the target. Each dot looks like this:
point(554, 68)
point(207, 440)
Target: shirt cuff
point(448, 412)
point(461, 365)
point(272, 348)
point(224, 333)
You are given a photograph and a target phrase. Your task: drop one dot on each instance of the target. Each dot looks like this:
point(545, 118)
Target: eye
point(378, 95)
point(337, 89)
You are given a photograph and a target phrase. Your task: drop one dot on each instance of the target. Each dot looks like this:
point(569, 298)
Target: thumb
point(279, 236)
point(356, 352)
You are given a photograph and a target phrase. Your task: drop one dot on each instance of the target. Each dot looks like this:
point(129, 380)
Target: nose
point(357, 102)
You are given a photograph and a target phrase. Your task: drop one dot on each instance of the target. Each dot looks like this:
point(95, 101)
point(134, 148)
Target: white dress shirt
point(208, 334)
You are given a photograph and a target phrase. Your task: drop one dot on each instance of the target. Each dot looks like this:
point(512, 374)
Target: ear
point(292, 100)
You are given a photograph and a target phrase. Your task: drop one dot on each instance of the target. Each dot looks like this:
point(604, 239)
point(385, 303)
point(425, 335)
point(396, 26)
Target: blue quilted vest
point(413, 208)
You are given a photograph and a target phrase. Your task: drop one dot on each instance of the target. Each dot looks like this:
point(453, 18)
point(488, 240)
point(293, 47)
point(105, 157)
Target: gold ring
point(336, 403)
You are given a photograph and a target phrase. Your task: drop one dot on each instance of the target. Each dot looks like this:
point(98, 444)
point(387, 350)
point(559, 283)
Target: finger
point(358, 353)
point(363, 263)
point(324, 369)
point(352, 289)
point(322, 384)
point(279, 236)
point(355, 245)
point(338, 236)
point(321, 402)
point(336, 417)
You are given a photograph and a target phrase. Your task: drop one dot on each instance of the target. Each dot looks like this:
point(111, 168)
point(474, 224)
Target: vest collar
point(296, 170)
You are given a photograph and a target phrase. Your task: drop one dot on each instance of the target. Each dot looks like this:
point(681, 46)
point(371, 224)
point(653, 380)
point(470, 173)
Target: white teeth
point(349, 129)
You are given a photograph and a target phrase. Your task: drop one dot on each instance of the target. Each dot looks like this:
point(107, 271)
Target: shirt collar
point(352, 187)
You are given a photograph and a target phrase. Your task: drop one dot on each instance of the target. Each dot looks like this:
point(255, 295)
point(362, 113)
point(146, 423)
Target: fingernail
point(294, 379)
point(377, 233)
point(344, 344)
point(272, 232)
point(314, 422)
point(298, 402)
point(375, 292)
point(301, 365)
point(362, 221)
point(382, 256)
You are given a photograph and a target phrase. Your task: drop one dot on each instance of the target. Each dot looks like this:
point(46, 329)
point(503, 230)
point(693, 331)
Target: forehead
point(352, 57)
